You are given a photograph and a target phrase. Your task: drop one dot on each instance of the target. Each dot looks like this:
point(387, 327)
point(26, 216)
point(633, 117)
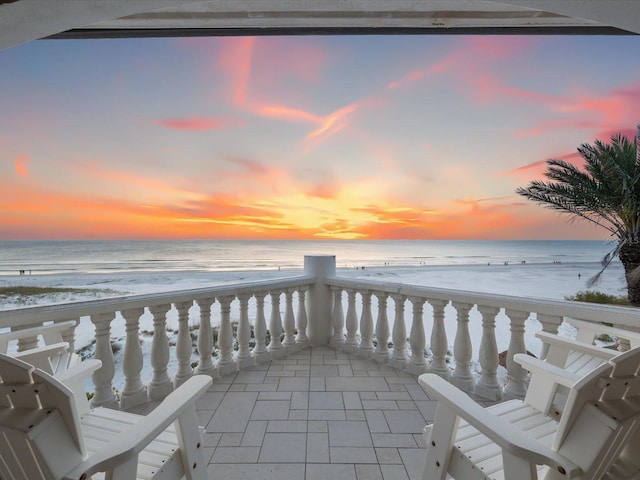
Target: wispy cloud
point(199, 123)
point(21, 165)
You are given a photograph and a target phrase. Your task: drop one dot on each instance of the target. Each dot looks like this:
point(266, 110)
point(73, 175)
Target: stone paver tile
point(298, 414)
point(283, 448)
point(254, 434)
point(345, 370)
point(300, 401)
point(337, 361)
point(225, 379)
point(318, 448)
point(352, 401)
point(397, 387)
point(427, 409)
point(204, 416)
point(274, 396)
point(359, 384)
point(297, 367)
point(379, 405)
point(293, 384)
point(280, 373)
point(250, 376)
point(209, 401)
point(233, 412)
point(207, 453)
point(237, 387)
point(358, 415)
point(394, 472)
point(218, 387)
point(376, 421)
point(268, 471)
point(261, 387)
point(327, 415)
point(360, 373)
point(368, 472)
point(323, 371)
point(235, 455)
point(393, 440)
point(325, 471)
point(393, 396)
point(358, 364)
point(284, 426)
point(353, 454)
point(402, 380)
point(271, 410)
point(269, 381)
point(326, 401)
point(406, 405)
point(388, 456)
point(416, 392)
point(413, 460)
point(349, 434)
point(404, 421)
point(380, 373)
point(230, 439)
point(420, 440)
point(301, 373)
point(367, 395)
point(211, 439)
point(317, 384)
point(317, 426)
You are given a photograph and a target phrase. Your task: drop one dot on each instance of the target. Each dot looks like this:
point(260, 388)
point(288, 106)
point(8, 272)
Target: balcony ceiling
point(24, 20)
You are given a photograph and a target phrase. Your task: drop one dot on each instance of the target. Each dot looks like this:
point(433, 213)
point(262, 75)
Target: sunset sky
point(385, 137)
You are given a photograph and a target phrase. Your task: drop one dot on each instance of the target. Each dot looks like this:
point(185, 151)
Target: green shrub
point(599, 297)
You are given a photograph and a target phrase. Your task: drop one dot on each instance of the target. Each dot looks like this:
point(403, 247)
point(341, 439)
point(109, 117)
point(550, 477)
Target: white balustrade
point(275, 327)
point(417, 363)
point(183, 345)
point(439, 339)
point(244, 358)
point(550, 324)
point(351, 342)
point(462, 350)
point(103, 377)
point(260, 352)
point(399, 336)
point(366, 326)
point(488, 386)
point(226, 364)
point(205, 339)
point(516, 386)
point(289, 341)
point(160, 385)
point(337, 320)
point(301, 338)
point(134, 392)
point(381, 354)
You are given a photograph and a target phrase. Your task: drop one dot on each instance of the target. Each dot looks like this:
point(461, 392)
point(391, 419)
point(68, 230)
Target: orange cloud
point(536, 169)
point(198, 123)
point(20, 165)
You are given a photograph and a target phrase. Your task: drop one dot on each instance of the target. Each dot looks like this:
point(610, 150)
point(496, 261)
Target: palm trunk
point(630, 257)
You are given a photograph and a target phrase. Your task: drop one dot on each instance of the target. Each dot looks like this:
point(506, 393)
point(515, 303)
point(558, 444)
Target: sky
point(311, 137)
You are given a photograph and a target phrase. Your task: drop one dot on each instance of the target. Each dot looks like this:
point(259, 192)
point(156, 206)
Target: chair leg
point(124, 471)
point(440, 443)
point(190, 440)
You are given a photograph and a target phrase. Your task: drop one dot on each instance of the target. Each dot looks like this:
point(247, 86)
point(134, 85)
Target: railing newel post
point(319, 301)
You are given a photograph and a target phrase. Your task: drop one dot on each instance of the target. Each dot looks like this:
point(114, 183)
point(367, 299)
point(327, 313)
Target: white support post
point(417, 364)
point(226, 365)
point(183, 345)
point(260, 351)
point(160, 385)
point(337, 339)
point(381, 354)
point(399, 336)
point(439, 340)
point(550, 324)
point(289, 341)
point(319, 297)
point(69, 336)
point(205, 339)
point(244, 358)
point(351, 342)
point(516, 386)
point(488, 386)
point(275, 327)
point(103, 377)
point(462, 349)
point(366, 326)
point(301, 319)
point(134, 391)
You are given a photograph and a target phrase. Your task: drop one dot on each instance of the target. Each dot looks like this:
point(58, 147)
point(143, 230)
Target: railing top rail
point(617, 315)
point(66, 311)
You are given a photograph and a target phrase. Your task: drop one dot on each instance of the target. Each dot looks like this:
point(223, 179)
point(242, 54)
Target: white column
point(516, 386)
point(550, 324)
point(366, 326)
point(301, 319)
point(462, 349)
point(226, 365)
point(337, 340)
point(275, 327)
point(69, 336)
point(160, 385)
point(488, 386)
point(103, 377)
point(417, 363)
point(319, 297)
point(439, 340)
point(183, 345)
point(381, 354)
point(134, 391)
point(351, 342)
point(244, 358)
point(260, 351)
point(289, 321)
point(399, 358)
point(205, 339)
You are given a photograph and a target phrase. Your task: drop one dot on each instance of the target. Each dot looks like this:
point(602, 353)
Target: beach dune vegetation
point(604, 192)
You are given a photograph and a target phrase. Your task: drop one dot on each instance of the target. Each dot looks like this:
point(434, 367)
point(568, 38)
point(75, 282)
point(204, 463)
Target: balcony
point(315, 376)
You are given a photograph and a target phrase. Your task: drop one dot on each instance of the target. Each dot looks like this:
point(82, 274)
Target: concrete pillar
point(319, 297)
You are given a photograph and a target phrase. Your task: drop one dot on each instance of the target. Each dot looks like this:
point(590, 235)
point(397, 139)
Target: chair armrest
point(576, 346)
point(502, 433)
point(130, 442)
point(40, 357)
point(79, 371)
point(539, 367)
point(39, 330)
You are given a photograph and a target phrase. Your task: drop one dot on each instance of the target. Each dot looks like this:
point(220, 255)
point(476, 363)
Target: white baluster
point(244, 358)
point(27, 343)
point(275, 327)
point(301, 319)
point(366, 327)
point(381, 354)
point(69, 336)
point(205, 339)
point(289, 322)
point(160, 385)
point(260, 351)
point(417, 363)
point(134, 391)
point(337, 320)
point(399, 358)
point(462, 349)
point(439, 340)
point(351, 342)
point(226, 365)
point(103, 377)
point(550, 324)
point(516, 386)
point(488, 386)
point(183, 345)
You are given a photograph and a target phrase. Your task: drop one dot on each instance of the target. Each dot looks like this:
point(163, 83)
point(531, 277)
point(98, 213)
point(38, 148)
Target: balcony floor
point(316, 414)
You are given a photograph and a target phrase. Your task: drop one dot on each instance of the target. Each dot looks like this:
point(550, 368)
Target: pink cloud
point(537, 169)
point(235, 59)
point(198, 123)
point(20, 165)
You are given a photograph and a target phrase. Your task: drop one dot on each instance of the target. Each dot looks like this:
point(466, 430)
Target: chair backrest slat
point(17, 373)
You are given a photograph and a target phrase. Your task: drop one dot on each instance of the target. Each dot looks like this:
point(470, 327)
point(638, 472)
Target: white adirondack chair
point(596, 437)
point(47, 430)
point(52, 354)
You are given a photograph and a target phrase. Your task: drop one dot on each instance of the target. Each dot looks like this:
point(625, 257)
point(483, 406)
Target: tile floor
point(316, 414)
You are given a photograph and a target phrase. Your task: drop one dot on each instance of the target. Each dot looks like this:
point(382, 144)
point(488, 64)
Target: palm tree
point(606, 192)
